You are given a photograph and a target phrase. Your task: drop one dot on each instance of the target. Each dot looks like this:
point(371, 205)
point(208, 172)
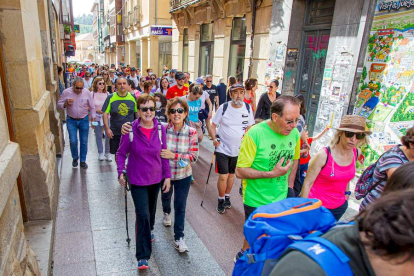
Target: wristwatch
point(348, 193)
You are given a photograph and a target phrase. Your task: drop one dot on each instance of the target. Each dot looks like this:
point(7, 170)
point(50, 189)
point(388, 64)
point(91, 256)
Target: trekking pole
point(126, 205)
point(209, 172)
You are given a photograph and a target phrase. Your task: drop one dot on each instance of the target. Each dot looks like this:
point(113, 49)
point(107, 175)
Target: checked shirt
point(184, 144)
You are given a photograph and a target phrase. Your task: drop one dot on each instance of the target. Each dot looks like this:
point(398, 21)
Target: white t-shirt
point(171, 81)
point(134, 79)
point(203, 98)
point(87, 84)
point(232, 127)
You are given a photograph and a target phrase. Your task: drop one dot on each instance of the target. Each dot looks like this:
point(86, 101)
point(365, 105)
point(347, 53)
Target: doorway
point(313, 51)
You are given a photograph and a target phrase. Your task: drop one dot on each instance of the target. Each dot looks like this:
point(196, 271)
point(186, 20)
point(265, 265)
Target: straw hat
point(354, 123)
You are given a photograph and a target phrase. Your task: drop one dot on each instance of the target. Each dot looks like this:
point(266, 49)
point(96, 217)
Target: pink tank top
point(330, 185)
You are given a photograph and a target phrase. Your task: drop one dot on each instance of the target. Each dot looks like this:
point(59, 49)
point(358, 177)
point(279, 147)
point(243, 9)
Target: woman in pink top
point(99, 95)
point(331, 170)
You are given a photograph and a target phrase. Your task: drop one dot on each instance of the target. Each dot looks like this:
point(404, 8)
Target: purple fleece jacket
point(145, 165)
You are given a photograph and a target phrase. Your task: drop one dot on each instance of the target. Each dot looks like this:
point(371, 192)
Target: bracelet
point(348, 193)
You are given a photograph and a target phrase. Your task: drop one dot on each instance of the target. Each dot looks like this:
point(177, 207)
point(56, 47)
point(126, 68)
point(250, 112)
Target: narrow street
point(90, 226)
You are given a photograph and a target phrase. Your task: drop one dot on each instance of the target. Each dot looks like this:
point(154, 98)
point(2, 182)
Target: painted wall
point(386, 90)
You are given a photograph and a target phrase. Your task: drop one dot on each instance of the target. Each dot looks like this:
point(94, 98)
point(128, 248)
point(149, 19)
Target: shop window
point(185, 50)
point(206, 49)
point(237, 48)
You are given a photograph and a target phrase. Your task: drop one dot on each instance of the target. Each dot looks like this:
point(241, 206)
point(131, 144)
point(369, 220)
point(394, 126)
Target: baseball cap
point(199, 81)
point(133, 69)
point(179, 75)
point(236, 86)
point(173, 71)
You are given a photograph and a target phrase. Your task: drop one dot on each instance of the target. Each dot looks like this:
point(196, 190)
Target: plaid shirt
point(184, 144)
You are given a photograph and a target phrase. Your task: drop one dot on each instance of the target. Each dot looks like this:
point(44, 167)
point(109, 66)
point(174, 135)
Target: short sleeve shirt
point(174, 91)
point(261, 149)
point(212, 92)
point(232, 126)
point(194, 108)
point(121, 109)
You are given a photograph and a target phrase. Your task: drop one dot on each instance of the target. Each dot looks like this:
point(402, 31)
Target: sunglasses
point(270, 86)
point(350, 134)
point(79, 88)
point(100, 83)
point(179, 110)
point(181, 79)
point(209, 81)
point(145, 109)
point(153, 78)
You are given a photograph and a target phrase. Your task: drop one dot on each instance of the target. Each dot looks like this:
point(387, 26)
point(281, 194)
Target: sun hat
point(354, 123)
point(236, 86)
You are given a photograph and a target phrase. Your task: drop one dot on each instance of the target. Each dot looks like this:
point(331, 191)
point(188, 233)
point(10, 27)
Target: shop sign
point(161, 30)
point(76, 28)
point(395, 5)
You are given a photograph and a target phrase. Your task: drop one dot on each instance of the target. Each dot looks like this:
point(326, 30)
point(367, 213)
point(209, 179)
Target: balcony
point(126, 21)
point(129, 20)
point(181, 4)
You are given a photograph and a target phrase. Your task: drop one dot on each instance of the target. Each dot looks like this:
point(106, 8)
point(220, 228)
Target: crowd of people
point(156, 124)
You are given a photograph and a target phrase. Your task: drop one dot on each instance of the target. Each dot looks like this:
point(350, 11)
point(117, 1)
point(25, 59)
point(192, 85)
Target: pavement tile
point(112, 238)
point(115, 260)
point(73, 221)
point(150, 272)
point(111, 220)
point(72, 248)
point(78, 269)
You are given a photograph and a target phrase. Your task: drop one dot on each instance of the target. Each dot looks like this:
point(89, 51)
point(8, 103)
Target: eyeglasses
point(79, 88)
point(145, 109)
point(179, 110)
point(350, 134)
point(153, 78)
point(291, 121)
point(101, 83)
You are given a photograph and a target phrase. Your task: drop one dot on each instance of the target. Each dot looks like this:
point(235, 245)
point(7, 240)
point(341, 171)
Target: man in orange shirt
point(179, 89)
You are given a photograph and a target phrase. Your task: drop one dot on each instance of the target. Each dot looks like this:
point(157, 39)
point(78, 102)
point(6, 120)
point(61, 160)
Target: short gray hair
point(77, 79)
point(209, 77)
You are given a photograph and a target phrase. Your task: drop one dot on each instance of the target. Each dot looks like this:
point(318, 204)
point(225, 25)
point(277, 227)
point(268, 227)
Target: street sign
point(161, 30)
point(77, 28)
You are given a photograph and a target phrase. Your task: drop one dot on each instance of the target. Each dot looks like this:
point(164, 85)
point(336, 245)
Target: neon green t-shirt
point(261, 149)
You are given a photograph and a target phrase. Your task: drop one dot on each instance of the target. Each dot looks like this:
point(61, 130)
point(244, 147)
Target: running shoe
point(143, 264)
point(227, 203)
point(152, 236)
point(220, 206)
point(101, 157)
point(181, 246)
point(108, 157)
point(167, 220)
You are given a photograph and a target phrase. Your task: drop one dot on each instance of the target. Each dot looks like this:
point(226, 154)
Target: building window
point(237, 48)
point(206, 49)
point(185, 50)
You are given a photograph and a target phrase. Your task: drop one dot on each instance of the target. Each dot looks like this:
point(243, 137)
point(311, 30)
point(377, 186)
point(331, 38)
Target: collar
point(138, 123)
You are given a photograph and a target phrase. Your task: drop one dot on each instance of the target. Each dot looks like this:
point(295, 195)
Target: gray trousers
point(98, 137)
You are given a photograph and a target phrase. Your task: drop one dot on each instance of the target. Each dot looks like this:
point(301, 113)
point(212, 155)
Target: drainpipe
point(249, 72)
point(156, 12)
point(11, 130)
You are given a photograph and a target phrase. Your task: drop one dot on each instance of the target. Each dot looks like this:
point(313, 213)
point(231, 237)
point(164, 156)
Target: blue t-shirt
point(221, 90)
point(194, 107)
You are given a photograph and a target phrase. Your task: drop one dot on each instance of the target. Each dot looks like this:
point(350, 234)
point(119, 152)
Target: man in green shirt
point(122, 107)
point(269, 157)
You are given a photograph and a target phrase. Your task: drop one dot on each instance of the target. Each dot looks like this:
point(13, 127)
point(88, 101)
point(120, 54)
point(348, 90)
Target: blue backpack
point(290, 224)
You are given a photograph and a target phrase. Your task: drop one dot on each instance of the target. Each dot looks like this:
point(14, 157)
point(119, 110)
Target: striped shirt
point(394, 158)
point(184, 144)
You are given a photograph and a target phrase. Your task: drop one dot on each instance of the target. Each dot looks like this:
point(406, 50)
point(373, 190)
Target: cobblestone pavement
point(90, 227)
point(90, 234)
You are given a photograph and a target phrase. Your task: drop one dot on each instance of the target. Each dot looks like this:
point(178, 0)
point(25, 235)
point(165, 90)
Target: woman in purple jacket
point(147, 172)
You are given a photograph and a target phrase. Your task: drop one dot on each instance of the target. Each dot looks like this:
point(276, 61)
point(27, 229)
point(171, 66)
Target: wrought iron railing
point(179, 4)
point(136, 15)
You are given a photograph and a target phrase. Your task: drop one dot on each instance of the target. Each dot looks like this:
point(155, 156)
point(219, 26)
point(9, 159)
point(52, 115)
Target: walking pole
point(126, 205)
point(209, 172)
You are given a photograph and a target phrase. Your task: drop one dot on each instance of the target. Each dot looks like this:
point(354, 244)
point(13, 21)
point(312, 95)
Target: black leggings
point(339, 211)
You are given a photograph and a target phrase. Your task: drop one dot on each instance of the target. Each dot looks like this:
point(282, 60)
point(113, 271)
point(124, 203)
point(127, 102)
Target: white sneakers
point(108, 157)
point(181, 246)
point(167, 220)
point(101, 157)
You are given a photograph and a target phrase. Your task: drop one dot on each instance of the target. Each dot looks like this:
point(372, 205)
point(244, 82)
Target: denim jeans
point(145, 201)
point(303, 168)
point(181, 189)
point(98, 138)
point(83, 127)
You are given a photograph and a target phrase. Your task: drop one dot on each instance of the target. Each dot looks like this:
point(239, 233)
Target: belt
point(77, 119)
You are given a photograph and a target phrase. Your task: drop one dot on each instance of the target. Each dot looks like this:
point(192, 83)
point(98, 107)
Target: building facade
point(216, 37)
point(85, 47)
point(147, 32)
point(30, 127)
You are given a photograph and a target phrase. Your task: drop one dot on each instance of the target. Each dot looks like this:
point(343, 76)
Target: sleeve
point(288, 265)
point(193, 152)
point(62, 99)
point(251, 118)
point(389, 161)
point(92, 105)
point(166, 169)
point(310, 140)
point(247, 152)
point(121, 154)
point(218, 116)
point(297, 150)
point(259, 109)
point(106, 106)
point(168, 95)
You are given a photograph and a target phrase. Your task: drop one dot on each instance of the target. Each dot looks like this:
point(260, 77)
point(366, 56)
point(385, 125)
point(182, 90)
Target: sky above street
point(81, 7)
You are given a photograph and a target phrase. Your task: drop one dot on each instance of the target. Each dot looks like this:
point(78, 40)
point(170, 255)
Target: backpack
point(226, 105)
point(290, 224)
point(131, 134)
point(365, 182)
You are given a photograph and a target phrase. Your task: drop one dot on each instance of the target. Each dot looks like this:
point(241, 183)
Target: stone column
point(118, 55)
point(22, 44)
point(144, 55)
point(153, 53)
point(193, 50)
point(132, 53)
point(52, 84)
point(222, 33)
point(127, 53)
point(176, 47)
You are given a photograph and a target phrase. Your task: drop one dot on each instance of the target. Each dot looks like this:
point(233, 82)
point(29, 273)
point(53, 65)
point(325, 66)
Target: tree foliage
point(86, 19)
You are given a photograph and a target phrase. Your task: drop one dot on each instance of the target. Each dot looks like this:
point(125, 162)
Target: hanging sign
point(161, 30)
